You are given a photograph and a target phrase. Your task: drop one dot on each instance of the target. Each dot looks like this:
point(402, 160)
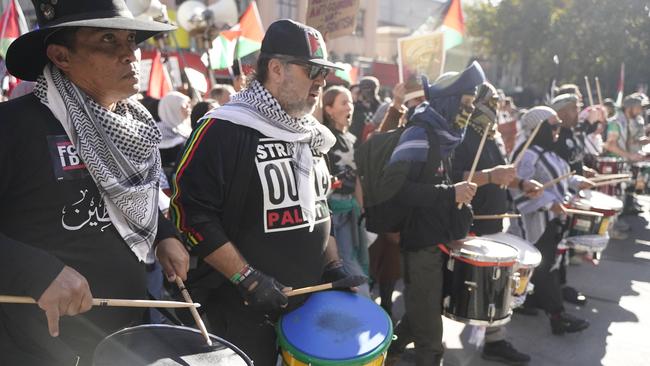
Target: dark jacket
point(427, 191)
point(53, 215)
point(490, 199)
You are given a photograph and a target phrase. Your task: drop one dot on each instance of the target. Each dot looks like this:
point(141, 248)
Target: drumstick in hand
point(553, 182)
point(347, 282)
point(7, 299)
point(195, 314)
point(527, 144)
point(604, 177)
point(478, 156)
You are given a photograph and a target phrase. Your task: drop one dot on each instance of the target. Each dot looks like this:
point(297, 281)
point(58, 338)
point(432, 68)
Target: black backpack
point(382, 211)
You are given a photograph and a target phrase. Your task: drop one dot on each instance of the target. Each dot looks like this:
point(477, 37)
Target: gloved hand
point(334, 271)
point(263, 292)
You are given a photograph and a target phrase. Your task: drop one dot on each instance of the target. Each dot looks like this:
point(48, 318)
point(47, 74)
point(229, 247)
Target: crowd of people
point(262, 188)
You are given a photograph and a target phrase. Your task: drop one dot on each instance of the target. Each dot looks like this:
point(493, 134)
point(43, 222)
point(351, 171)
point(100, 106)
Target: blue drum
point(335, 328)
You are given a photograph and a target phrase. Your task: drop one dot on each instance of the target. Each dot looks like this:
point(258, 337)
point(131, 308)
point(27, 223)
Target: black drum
point(479, 281)
point(166, 345)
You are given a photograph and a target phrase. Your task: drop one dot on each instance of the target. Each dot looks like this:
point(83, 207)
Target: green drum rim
point(310, 360)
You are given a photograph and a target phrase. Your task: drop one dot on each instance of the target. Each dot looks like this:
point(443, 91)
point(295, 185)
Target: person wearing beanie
point(626, 137)
point(491, 174)
point(571, 147)
point(80, 184)
point(251, 194)
point(419, 173)
point(541, 220)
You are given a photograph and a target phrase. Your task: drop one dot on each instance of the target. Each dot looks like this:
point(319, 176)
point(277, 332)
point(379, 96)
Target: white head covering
point(530, 120)
point(175, 128)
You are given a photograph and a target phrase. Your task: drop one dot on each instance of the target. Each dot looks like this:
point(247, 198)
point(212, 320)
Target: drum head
point(527, 254)
point(482, 250)
point(588, 199)
point(336, 326)
point(166, 345)
point(590, 243)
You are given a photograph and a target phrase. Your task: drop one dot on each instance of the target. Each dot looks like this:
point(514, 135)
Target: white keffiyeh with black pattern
point(119, 149)
point(256, 108)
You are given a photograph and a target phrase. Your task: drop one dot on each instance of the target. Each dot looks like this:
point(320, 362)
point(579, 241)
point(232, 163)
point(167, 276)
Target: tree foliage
point(590, 38)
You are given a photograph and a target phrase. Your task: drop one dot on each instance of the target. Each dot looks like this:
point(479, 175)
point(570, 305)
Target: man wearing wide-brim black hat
point(79, 184)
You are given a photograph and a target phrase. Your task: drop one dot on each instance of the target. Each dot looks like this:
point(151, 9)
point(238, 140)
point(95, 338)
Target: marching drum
point(598, 202)
point(166, 345)
point(528, 258)
point(335, 328)
point(479, 281)
point(587, 232)
point(610, 165)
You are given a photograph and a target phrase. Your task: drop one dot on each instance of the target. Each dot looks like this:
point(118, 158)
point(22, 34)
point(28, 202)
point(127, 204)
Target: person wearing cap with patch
point(491, 174)
point(80, 184)
point(542, 218)
point(626, 137)
point(420, 167)
point(251, 193)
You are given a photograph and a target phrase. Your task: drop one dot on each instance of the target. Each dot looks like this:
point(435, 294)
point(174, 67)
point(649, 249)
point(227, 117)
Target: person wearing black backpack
point(420, 165)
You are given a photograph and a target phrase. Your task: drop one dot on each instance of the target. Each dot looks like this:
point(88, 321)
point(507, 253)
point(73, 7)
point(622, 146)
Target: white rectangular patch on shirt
point(281, 208)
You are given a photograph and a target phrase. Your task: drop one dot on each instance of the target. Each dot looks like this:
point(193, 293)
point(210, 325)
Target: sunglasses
point(313, 71)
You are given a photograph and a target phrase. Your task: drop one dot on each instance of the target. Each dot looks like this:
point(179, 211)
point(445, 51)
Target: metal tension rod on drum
point(7, 299)
point(195, 314)
point(350, 281)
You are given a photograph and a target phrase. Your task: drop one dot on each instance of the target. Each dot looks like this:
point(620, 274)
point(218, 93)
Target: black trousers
point(548, 292)
point(253, 332)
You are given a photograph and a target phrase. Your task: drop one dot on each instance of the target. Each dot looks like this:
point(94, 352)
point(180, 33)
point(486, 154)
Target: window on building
point(288, 9)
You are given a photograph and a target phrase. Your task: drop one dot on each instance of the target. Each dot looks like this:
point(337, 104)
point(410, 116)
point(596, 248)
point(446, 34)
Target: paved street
point(619, 293)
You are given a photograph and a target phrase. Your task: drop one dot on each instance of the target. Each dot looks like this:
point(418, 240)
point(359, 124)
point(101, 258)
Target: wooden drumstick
point(600, 96)
point(7, 299)
point(527, 144)
point(477, 156)
point(497, 217)
point(591, 98)
point(552, 182)
point(351, 281)
point(195, 313)
point(573, 211)
point(612, 182)
point(604, 177)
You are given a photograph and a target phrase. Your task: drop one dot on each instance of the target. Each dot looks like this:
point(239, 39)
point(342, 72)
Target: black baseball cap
point(286, 37)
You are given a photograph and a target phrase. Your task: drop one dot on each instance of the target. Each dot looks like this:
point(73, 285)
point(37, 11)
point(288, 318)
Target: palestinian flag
point(243, 39)
point(12, 25)
point(453, 25)
point(251, 32)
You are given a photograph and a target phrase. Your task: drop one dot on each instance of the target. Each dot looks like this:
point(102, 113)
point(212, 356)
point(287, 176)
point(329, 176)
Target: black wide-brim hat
point(26, 56)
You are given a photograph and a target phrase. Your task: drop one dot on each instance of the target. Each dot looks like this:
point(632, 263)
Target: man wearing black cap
point(419, 174)
point(79, 185)
point(251, 193)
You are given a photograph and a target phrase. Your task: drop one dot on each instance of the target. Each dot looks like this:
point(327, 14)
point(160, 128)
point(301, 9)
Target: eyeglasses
point(313, 71)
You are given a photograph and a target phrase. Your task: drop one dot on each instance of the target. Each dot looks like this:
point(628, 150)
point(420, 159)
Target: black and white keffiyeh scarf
point(120, 151)
point(256, 108)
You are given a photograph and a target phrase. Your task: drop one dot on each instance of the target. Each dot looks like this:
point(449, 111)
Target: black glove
point(262, 292)
point(334, 271)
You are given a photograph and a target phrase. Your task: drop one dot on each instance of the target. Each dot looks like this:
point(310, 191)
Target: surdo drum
point(166, 345)
point(528, 258)
point(335, 328)
point(479, 281)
